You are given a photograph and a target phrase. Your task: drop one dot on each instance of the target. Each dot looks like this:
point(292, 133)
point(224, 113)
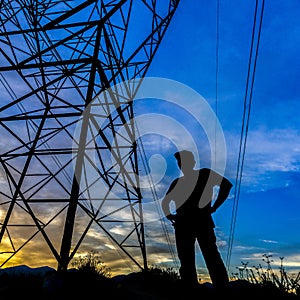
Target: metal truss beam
point(56, 58)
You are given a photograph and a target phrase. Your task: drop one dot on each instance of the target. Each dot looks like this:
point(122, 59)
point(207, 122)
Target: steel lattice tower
point(55, 58)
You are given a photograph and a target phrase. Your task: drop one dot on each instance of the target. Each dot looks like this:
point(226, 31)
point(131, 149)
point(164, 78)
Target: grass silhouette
point(267, 276)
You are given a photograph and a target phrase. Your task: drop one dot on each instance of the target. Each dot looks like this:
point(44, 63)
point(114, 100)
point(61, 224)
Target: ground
point(133, 286)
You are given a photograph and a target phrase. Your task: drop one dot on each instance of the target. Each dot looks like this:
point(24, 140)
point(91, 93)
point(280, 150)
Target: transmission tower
point(56, 57)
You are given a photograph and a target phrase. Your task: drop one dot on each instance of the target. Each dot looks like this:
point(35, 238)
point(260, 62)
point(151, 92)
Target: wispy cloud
point(269, 152)
point(270, 241)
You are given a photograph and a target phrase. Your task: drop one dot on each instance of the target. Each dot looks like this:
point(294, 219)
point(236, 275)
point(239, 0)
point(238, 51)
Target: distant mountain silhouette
point(25, 270)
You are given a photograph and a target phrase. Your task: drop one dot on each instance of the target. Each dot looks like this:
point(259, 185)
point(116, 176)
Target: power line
point(155, 198)
point(246, 118)
point(217, 73)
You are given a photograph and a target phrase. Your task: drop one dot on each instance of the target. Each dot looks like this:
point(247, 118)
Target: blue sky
point(268, 207)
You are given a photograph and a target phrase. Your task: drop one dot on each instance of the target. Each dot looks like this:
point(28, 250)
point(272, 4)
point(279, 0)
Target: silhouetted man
point(192, 194)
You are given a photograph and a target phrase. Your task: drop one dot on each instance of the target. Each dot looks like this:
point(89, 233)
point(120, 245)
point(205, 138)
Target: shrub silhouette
point(91, 264)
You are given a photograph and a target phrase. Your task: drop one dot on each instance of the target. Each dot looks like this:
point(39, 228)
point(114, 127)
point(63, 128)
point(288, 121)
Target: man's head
point(185, 160)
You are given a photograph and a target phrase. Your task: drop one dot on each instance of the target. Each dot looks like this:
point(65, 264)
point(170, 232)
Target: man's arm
point(165, 203)
point(223, 193)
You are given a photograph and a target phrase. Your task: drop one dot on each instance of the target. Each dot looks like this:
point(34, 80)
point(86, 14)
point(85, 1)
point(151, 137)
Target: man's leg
point(185, 243)
point(215, 265)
